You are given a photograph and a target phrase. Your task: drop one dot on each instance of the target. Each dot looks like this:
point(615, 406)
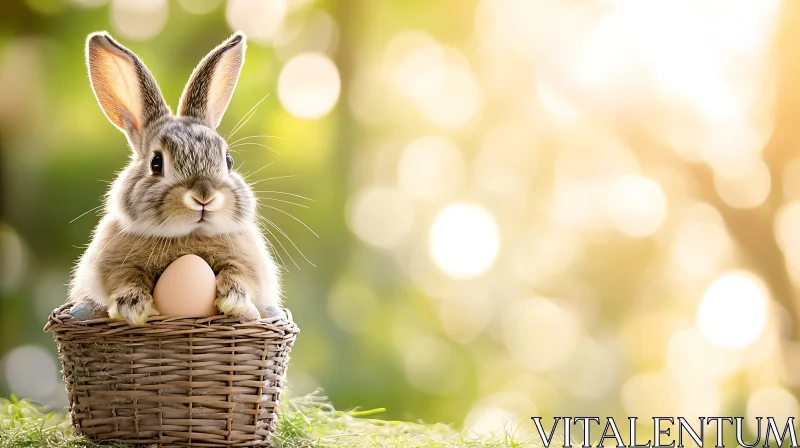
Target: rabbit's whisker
point(86, 213)
point(133, 246)
point(274, 250)
point(250, 112)
point(281, 200)
point(263, 228)
point(246, 118)
point(268, 221)
point(247, 176)
point(230, 241)
point(293, 217)
point(263, 145)
point(253, 136)
point(255, 144)
point(270, 178)
point(250, 185)
point(277, 240)
point(283, 192)
point(167, 243)
point(124, 229)
point(147, 263)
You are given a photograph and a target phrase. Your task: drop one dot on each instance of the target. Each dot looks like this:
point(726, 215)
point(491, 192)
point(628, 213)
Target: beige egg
point(187, 287)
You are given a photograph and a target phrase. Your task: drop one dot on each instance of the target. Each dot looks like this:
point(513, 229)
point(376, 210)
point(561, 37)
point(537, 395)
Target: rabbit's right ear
point(125, 89)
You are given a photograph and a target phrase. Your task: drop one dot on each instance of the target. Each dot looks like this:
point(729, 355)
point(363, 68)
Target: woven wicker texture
point(176, 381)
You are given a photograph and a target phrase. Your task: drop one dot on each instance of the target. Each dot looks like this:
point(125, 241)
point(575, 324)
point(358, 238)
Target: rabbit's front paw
point(236, 302)
point(132, 306)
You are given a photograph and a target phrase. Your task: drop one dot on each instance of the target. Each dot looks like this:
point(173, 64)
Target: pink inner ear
point(222, 84)
point(116, 85)
point(221, 90)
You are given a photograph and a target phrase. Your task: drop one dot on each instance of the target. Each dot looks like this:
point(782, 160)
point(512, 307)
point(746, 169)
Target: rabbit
point(178, 195)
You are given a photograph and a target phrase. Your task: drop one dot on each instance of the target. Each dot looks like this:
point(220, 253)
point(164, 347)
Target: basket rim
point(60, 320)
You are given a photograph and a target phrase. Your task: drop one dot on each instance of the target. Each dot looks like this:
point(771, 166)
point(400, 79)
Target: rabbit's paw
point(236, 302)
point(132, 306)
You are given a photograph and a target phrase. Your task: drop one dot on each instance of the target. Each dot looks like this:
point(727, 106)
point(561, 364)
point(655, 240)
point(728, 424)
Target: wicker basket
point(176, 381)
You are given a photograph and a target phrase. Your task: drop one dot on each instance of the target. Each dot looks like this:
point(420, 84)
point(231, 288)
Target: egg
point(187, 287)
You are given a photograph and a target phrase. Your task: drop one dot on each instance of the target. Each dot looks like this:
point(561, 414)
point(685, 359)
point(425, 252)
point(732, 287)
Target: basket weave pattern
point(176, 381)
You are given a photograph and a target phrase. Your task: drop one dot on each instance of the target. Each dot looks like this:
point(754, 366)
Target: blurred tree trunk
point(753, 229)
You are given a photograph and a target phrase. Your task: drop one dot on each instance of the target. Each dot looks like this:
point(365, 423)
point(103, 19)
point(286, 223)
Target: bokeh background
point(524, 207)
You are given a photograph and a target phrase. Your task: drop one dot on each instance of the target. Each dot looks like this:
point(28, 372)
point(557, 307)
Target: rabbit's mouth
point(204, 216)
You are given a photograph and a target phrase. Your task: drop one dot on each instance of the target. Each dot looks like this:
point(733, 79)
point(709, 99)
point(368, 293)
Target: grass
point(308, 421)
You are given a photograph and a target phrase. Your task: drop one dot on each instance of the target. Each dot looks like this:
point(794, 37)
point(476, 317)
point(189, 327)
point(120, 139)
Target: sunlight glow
point(464, 241)
point(584, 173)
point(537, 257)
point(315, 31)
point(506, 164)
point(259, 19)
point(700, 240)
point(381, 216)
point(593, 371)
point(637, 205)
point(309, 86)
point(464, 317)
point(528, 329)
point(555, 100)
point(439, 81)
point(431, 168)
point(748, 190)
point(733, 311)
point(200, 6)
point(139, 19)
point(694, 359)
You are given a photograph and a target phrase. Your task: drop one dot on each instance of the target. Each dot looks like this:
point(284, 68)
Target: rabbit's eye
point(157, 163)
point(229, 161)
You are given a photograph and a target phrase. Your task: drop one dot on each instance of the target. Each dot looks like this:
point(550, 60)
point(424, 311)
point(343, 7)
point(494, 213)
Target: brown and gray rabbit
point(178, 195)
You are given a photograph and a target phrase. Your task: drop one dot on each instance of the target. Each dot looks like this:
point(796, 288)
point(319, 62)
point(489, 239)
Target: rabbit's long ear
point(210, 88)
point(125, 89)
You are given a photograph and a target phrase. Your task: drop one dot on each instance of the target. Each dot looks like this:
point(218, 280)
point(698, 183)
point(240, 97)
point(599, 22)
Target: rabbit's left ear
point(124, 87)
point(210, 88)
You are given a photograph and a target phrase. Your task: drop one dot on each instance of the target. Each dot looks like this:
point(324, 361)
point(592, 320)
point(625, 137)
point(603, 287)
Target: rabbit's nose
point(201, 203)
point(197, 202)
point(203, 189)
point(201, 195)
